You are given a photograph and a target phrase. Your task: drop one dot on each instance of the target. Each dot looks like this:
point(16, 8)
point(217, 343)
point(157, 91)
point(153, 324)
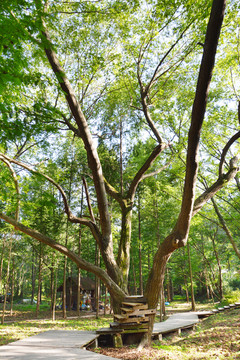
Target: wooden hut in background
point(87, 293)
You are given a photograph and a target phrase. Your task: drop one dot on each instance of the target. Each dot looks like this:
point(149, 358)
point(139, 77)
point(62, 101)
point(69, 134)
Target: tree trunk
point(97, 283)
point(134, 278)
point(178, 237)
point(191, 279)
point(33, 275)
point(12, 286)
point(64, 296)
point(1, 262)
point(123, 259)
point(220, 288)
point(186, 288)
point(7, 279)
point(169, 298)
point(140, 247)
point(79, 254)
point(39, 281)
point(54, 296)
point(70, 289)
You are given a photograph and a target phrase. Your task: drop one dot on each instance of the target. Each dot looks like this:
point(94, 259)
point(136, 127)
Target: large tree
point(104, 49)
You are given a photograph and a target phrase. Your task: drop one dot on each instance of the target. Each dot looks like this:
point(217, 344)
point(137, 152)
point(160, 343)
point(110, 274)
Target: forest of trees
point(119, 128)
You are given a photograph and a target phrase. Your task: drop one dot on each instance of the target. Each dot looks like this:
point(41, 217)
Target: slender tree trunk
point(121, 154)
point(97, 283)
point(79, 254)
point(1, 261)
point(105, 301)
point(39, 281)
point(134, 279)
point(54, 296)
point(33, 275)
point(140, 247)
point(7, 278)
point(168, 286)
point(70, 289)
point(52, 280)
point(161, 306)
point(12, 286)
point(64, 306)
point(186, 288)
point(220, 288)
point(191, 279)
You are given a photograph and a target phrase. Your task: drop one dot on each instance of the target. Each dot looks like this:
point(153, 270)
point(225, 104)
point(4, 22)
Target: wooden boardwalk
point(185, 320)
point(70, 344)
point(51, 345)
point(175, 322)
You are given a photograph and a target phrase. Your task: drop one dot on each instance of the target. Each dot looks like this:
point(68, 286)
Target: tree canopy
point(137, 99)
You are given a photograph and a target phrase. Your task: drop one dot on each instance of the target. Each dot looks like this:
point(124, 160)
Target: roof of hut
point(86, 283)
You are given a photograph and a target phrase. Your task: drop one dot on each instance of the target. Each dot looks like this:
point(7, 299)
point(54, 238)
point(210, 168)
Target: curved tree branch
point(71, 217)
point(15, 179)
point(140, 174)
point(92, 217)
point(213, 189)
point(156, 172)
point(225, 150)
point(114, 194)
point(225, 228)
point(113, 288)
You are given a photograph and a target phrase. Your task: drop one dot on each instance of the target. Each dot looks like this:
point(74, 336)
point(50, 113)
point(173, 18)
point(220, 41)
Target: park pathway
point(176, 322)
point(53, 344)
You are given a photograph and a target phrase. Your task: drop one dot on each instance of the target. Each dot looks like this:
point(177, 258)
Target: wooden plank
point(120, 317)
point(135, 305)
point(136, 299)
point(114, 324)
point(134, 331)
point(133, 320)
point(117, 325)
point(127, 310)
point(142, 312)
point(108, 331)
point(134, 326)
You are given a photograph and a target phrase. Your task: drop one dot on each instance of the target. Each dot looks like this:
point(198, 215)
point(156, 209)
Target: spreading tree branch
point(15, 179)
point(70, 216)
point(225, 150)
point(81, 263)
point(213, 189)
point(225, 228)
